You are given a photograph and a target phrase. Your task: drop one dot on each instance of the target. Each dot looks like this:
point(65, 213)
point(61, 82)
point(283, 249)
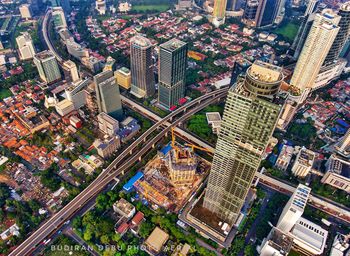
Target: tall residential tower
point(342, 36)
point(318, 42)
point(251, 112)
point(142, 79)
point(219, 12)
point(172, 70)
point(25, 46)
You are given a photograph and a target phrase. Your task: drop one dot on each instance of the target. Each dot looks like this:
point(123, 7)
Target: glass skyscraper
point(107, 94)
point(142, 75)
point(172, 70)
point(251, 112)
point(47, 66)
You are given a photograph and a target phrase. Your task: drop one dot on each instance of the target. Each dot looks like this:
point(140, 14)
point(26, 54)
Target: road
point(252, 230)
point(45, 33)
point(69, 232)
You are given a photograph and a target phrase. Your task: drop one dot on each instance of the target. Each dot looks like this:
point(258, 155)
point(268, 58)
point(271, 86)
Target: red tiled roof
point(137, 218)
point(122, 228)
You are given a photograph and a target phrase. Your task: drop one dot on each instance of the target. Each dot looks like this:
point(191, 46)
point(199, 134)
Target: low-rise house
point(124, 208)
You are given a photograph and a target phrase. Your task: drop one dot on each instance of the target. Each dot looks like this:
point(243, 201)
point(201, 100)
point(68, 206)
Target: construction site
point(173, 175)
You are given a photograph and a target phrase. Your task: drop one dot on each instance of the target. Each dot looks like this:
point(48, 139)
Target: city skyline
point(179, 128)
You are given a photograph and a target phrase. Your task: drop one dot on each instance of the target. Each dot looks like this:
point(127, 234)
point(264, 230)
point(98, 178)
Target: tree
point(104, 239)
point(116, 237)
point(4, 193)
point(87, 234)
point(109, 252)
point(50, 179)
point(2, 215)
point(34, 205)
point(145, 229)
point(249, 250)
point(77, 222)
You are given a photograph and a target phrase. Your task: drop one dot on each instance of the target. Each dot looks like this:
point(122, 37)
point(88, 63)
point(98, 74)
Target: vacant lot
point(288, 31)
point(151, 7)
point(4, 93)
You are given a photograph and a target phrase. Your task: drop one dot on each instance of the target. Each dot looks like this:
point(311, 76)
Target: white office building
point(340, 245)
point(25, 46)
point(107, 124)
point(294, 208)
point(277, 243)
point(100, 6)
point(76, 50)
point(73, 70)
point(337, 173)
point(343, 146)
point(76, 92)
point(303, 163)
point(284, 157)
point(308, 237)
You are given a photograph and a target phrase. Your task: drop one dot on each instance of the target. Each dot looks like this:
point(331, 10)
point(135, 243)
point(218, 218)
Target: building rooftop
point(140, 41)
point(213, 117)
point(129, 185)
point(69, 64)
point(306, 157)
point(157, 239)
point(44, 55)
point(107, 118)
point(124, 70)
point(277, 241)
point(339, 166)
point(308, 233)
point(345, 7)
point(124, 206)
point(64, 104)
point(265, 72)
point(172, 44)
point(137, 218)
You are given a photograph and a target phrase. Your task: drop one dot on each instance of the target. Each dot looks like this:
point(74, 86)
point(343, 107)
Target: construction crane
point(173, 140)
point(200, 148)
point(192, 146)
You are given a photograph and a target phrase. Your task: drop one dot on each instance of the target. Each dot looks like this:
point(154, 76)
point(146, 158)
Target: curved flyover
point(44, 30)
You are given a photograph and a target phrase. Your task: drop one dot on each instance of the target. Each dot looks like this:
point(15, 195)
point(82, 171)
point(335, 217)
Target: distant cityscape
point(187, 127)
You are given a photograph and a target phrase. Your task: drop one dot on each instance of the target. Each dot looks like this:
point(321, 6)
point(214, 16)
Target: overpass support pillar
point(153, 145)
point(140, 158)
point(130, 152)
point(123, 173)
point(144, 140)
